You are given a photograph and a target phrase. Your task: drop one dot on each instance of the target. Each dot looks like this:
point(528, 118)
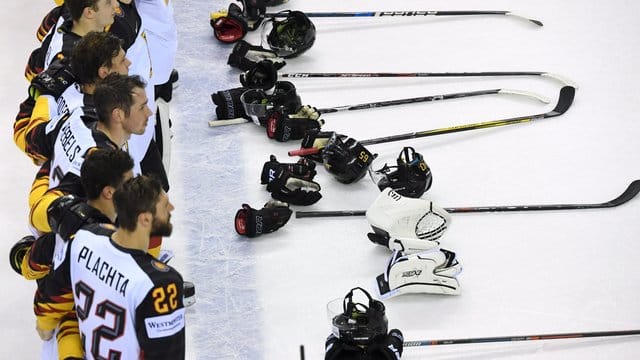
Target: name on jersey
point(102, 270)
point(68, 141)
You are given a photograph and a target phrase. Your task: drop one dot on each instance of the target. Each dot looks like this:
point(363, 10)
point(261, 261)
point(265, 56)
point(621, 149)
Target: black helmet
point(411, 177)
point(359, 323)
point(293, 35)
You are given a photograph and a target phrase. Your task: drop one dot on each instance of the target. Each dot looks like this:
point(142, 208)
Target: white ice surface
point(524, 273)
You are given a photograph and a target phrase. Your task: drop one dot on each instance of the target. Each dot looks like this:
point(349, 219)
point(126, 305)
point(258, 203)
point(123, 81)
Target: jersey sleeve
point(160, 318)
point(34, 132)
point(37, 263)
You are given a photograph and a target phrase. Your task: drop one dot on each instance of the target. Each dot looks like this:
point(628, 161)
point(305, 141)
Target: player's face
point(105, 11)
point(119, 64)
point(161, 225)
point(139, 113)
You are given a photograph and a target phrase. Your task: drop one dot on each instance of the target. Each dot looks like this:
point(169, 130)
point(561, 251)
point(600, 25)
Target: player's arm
point(37, 262)
point(160, 320)
point(40, 202)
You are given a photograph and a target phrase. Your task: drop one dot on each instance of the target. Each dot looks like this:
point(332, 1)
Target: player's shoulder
point(97, 229)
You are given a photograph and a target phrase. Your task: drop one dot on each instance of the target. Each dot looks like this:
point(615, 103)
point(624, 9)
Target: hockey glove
point(53, 81)
point(406, 224)
point(229, 26)
point(252, 223)
point(386, 347)
point(432, 271)
point(286, 187)
point(228, 104)
point(303, 169)
point(346, 159)
point(283, 127)
point(67, 214)
point(261, 73)
point(245, 56)
point(336, 349)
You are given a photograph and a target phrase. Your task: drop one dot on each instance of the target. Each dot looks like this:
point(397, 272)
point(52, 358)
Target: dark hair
point(115, 91)
point(104, 167)
point(94, 50)
point(136, 196)
point(76, 7)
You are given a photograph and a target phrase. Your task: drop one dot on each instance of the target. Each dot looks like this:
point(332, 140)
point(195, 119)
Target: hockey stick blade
point(521, 338)
point(631, 191)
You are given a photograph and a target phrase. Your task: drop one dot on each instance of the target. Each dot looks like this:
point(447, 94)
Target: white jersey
point(129, 305)
point(162, 36)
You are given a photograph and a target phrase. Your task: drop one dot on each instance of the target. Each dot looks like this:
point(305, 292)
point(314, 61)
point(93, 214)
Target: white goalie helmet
point(406, 224)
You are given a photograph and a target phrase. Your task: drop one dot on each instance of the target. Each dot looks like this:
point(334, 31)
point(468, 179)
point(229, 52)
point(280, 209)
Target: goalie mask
point(358, 323)
point(411, 176)
point(292, 36)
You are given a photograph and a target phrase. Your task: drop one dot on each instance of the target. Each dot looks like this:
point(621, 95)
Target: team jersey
point(129, 305)
point(58, 44)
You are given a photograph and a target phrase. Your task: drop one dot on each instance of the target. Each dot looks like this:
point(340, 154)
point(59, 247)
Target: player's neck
point(105, 207)
point(137, 239)
point(116, 134)
point(82, 27)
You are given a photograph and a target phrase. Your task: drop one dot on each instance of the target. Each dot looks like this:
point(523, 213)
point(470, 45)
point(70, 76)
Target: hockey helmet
point(358, 323)
point(411, 177)
point(292, 36)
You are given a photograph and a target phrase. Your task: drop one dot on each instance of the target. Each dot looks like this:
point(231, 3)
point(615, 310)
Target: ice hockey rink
point(525, 273)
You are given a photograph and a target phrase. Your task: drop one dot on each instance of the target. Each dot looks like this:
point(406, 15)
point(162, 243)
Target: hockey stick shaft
point(629, 193)
point(414, 13)
point(521, 338)
point(567, 93)
point(378, 104)
point(556, 77)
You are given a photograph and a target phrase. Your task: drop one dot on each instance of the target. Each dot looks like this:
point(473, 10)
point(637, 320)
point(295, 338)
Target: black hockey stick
point(632, 190)
point(521, 338)
point(378, 104)
point(565, 100)
point(556, 77)
point(229, 29)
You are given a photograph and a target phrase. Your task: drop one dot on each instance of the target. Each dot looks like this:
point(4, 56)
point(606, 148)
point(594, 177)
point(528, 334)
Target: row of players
point(105, 293)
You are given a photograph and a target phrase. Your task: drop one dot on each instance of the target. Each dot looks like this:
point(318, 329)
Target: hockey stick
point(565, 100)
point(632, 190)
point(521, 338)
point(556, 77)
point(414, 100)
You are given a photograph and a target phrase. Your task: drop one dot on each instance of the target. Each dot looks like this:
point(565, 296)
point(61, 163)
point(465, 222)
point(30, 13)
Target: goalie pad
point(346, 159)
point(433, 272)
point(303, 169)
point(252, 223)
point(406, 224)
point(293, 190)
point(228, 104)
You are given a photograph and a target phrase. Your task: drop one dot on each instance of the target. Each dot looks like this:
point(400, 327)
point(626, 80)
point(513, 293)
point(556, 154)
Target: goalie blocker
point(406, 224)
point(433, 271)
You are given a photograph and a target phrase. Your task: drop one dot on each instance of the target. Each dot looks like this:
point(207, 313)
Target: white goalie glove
point(434, 272)
point(406, 224)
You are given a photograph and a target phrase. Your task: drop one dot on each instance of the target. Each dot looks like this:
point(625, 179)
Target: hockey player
point(101, 174)
point(128, 303)
point(65, 86)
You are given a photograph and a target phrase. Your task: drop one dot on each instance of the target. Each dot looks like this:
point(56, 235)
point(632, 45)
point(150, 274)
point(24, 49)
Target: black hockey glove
point(251, 222)
point(67, 214)
point(228, 104)
point(283, 127)
point(263, 75)
point(303, 169)
point(286, 187)
point(245, 57)
point(53, 81)
point(336, 349)
point(386, 347)
point(346, 159)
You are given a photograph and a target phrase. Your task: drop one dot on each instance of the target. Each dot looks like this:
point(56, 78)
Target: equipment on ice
point(411, 176)
point(358, 323)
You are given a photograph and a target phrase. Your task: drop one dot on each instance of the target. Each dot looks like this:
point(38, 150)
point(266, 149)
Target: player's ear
point(145, 219)
point(107, 192)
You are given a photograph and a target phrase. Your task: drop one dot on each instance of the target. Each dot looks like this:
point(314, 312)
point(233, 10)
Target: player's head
point(121, 101)
point(141, 203)
point(99, 12)
point(103, 171)
point(97, 55)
